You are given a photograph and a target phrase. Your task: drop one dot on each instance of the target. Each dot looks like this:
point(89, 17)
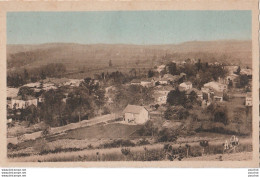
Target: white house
point(247, 72)
point(231, 77)
point(136, 114)
point(249, 99)
point(135, 82)
point(19, 103)
point(146, 82)
point(216, 86)
point(171, 78)
point(160, 98)
point(218, 96)
point(74, 82)
point(231, 69)
point(160, 68)
point(162, 81)
point(186, 85)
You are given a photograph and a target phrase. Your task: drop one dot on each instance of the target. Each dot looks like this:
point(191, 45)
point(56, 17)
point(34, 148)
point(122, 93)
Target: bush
point(176, 113)
point(57, 150)
point(90, 146)
point(118, 143)
point(125, 151)
point(11, 146)
point(143, 142)
point(148, 129)
point(46, 131)
point(41, 146)
point(167, 135)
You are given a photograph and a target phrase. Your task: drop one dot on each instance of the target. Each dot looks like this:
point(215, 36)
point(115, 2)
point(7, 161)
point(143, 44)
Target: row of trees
point(19, 78)
point(132, 94)
point(82, 102)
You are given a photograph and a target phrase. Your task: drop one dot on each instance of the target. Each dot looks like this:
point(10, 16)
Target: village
point(172, 102)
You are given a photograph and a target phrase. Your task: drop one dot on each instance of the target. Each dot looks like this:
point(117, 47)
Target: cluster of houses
point(15, 101)
point(213, 91)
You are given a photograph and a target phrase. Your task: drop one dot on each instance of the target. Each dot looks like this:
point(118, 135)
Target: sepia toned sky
point(127, 27)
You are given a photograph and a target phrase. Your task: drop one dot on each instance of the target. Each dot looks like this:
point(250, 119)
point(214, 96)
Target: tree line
point(58, 109)
point(18, 78)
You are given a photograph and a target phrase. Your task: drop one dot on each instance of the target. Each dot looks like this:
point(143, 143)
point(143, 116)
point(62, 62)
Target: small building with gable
point(134, 114)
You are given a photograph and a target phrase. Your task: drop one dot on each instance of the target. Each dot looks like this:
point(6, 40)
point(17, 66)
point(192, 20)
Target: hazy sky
point(128, 27)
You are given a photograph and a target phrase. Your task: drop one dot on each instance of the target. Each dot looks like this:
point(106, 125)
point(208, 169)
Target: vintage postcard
point(130, 84)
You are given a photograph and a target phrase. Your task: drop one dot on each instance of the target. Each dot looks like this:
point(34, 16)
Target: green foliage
point(25, 91)
point(150, 73)
point(125, 151)
point(167, 135)
point(18, 78)
point(118, 143)
point(143, 142)
point(243, 81)
point(176, 113)
point(149, 129)
point(133, 94)
point(176, 97)
point(172, 68)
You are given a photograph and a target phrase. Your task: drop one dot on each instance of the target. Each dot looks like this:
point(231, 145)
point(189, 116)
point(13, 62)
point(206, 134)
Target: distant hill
point(86, 56)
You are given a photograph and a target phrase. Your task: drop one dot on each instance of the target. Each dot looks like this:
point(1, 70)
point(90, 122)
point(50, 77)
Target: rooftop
point(133, 109)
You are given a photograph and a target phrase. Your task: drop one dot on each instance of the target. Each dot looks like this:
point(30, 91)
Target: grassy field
point(105, 131)
point(152, 152)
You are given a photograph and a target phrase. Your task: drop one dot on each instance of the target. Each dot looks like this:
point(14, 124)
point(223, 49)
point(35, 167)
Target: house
point(164, 89)
point(216, 86)
point(19, 103)
point(74, 82)
point(135, 82)
point(207, 93)
point(160, 93)
point(160, 98)
point(249, 99)
point(185, 86)
point(183, 76)
point(163, 81)
point(231, 77)
point(11, 93)
point(136, 114)
point(146, 82)
point(171, 78)
point(33, 85)
point(247, 72)
point(160, 68)
point(231, 69)
point(218, 96)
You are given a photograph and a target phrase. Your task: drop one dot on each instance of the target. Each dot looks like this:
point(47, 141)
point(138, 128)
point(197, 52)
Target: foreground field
point(152, 152)
point(241, 156)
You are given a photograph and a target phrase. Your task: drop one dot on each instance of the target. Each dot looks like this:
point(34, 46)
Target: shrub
point(143, 142)
point(90, 146)
point(125, 151)
point(41, 145)
point(118, 143)
point(176, 113)
point(46, 131)
point(167, 135)
point(11, 146)
point(57, 150)
point(153, 155)
point(148, 129)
